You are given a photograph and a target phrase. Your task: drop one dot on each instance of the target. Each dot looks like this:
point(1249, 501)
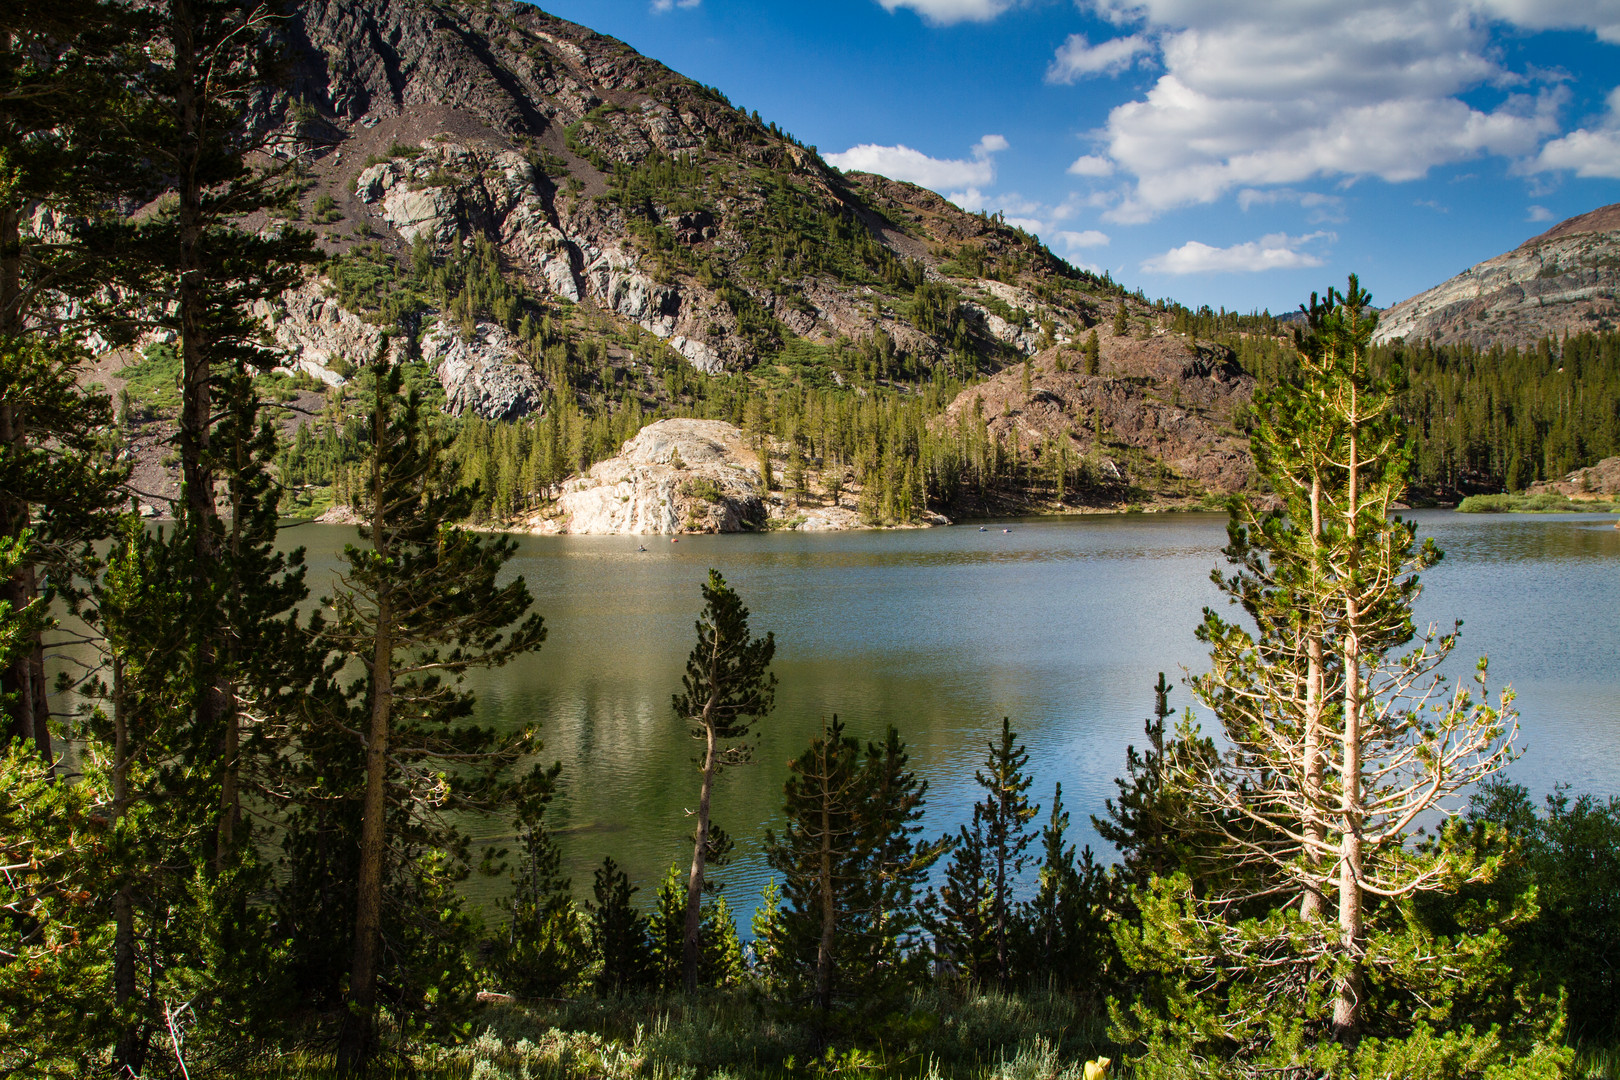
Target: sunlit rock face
point(1564, 281)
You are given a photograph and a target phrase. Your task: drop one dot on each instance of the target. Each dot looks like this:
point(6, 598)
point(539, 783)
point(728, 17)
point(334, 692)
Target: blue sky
point(1237, 154)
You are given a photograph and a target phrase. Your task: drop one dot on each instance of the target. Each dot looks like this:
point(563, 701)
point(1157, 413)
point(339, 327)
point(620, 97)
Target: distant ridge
point(1564, 281)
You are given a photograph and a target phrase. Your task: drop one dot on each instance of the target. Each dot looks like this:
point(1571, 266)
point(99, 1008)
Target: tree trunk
point(1347, 1004)
point(355, 1047)
point(230, 809)
point(1313, 903)
point(692, 943)
point(356, 1042)
point(824, 948)
point(196, 357)
point(127, 1053)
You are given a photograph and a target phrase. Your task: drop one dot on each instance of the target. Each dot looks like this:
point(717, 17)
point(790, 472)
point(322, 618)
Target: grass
point(732, 1035)
point(1545, 503)
point(1596, 1063)
point(154, 380)
point(307, 503)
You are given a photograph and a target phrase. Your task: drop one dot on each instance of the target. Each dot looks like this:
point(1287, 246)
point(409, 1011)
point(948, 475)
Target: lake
point(1060, 624)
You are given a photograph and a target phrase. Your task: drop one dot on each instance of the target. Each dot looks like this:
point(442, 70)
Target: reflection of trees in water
point(1065, 634)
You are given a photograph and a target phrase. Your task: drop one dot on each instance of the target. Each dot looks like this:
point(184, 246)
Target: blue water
point(1061, 625)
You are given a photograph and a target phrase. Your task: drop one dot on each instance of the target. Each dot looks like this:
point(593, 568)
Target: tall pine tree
point(421, 605)
point(727, 688)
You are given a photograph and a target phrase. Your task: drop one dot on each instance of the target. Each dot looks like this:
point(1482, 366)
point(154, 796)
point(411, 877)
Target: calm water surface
point(1061, 625)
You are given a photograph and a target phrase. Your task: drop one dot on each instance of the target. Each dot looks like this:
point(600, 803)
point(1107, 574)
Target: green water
point(1062, 625)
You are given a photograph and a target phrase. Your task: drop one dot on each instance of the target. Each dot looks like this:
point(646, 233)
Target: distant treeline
point(1487, 419)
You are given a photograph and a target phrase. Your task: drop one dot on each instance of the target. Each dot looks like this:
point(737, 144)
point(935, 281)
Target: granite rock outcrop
point(1565, 281)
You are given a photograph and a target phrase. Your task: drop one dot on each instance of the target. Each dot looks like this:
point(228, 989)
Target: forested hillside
point(566, 241)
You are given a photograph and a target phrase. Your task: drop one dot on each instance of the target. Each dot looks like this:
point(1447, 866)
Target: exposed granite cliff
point(686, 476)
point(440, 123)
point(1564, 281)
point(478, 372)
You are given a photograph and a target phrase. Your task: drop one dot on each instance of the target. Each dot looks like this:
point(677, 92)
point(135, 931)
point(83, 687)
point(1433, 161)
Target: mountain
point(605, 179)
point(1564, 281)
point(564, 231)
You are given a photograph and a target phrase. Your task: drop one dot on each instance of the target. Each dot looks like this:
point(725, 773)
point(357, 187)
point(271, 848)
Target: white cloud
point(1275, 252)
point(914, 166)
point(660, 7)
point(1089, 238)
point(946, 12)
point(1028, 224)
point(1587, 151)
point(1077, 58)
point(1091, 165)
point(1600, 16)
point(972, 200)
point(1319, 207)
point(1257, 93)
point(1539, 213)
point(990, 144)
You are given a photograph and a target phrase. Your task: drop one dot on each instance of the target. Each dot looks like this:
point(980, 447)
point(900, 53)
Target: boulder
point(675, 476)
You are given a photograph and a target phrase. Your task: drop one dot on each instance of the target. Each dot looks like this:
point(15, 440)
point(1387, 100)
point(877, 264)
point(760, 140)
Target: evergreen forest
point(235, 800)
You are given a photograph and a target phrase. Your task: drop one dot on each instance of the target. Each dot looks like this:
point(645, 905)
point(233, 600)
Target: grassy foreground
point(733, 1035)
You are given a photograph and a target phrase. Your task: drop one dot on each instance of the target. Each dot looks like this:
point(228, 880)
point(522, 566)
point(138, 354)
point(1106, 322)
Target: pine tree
point(63, 83)
point(666, 928)
point(1093, 350)
point(728, 687)
point(207, 273)
point(898, 861)
point(1340, 733)
point(975, 916)
point(53, 939)
point(1150, 823)
point(619, 933)
point(546, 944)
point(421, 605)
point(840, 928)
point(1066, 944)
point(819, 857)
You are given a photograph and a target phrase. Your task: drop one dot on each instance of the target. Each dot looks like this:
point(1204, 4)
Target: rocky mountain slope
point(1565, 281)
point(1156, 420)
point(556, 226)
point(610, 182)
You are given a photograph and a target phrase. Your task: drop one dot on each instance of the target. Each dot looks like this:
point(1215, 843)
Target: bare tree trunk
point(1001, 910)
point(1347, 1004)
point(230, 809)
point(1312, 904)
point(692, 942)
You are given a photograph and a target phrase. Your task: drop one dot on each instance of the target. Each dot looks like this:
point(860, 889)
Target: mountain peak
point(1605, 219)
point(1564, 281)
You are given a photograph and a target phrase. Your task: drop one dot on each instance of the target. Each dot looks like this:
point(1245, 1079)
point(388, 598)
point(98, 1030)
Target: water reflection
point(1060, 625)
